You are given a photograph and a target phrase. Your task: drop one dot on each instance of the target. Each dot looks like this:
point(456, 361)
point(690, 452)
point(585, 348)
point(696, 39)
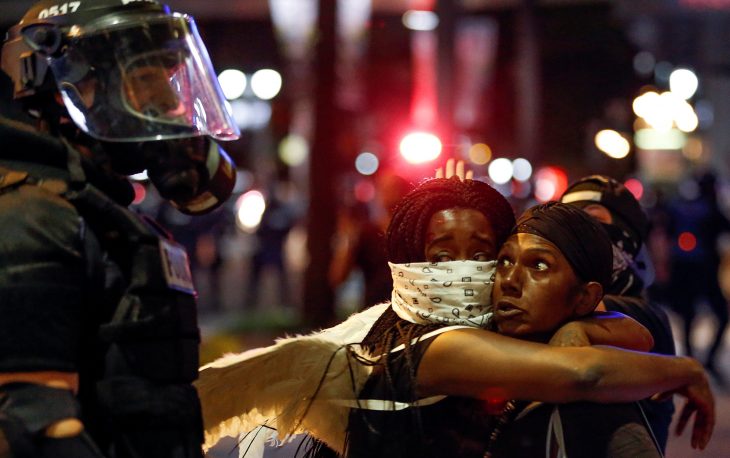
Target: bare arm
point(477, 363)
point(604, 328)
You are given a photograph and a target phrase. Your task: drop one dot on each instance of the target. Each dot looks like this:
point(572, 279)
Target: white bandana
point(448, 293)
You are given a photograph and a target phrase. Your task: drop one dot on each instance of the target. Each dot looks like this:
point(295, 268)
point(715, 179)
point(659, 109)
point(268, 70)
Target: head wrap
point(583, 242)
point(625, 209)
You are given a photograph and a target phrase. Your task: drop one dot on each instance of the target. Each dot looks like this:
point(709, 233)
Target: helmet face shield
point(142, 77)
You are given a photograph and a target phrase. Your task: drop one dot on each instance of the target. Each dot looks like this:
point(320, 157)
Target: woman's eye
point(442, 257)
point(541, 265)
point(504, 262)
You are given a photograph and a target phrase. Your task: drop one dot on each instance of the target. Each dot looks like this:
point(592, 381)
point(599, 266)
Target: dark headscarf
point(626, 211)
point(583, 242)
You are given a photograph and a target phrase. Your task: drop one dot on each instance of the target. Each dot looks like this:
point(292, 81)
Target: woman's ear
point(589, 296)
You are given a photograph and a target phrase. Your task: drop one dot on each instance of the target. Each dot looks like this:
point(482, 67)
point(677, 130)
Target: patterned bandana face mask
point(448, 293)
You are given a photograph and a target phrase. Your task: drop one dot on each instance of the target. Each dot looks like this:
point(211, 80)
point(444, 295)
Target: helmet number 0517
point(59, 10)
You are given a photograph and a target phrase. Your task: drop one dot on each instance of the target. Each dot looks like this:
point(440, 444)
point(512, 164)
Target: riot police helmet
point(126, 70)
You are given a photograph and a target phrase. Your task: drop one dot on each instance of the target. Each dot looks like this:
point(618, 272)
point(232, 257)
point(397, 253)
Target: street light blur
point(550, 183)
point(683, 82)
point(249, 210)
point(500, 170)
point(480, 153)
point(521, 169)
point(420, 20)
point(293, 150)
point(233, 83)
point(420, 147)
point(612, 143)
point(663, 111)
point(366, 163)
point(266, 83)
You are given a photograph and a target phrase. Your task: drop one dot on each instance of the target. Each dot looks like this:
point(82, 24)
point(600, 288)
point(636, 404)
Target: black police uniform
point(89, 287)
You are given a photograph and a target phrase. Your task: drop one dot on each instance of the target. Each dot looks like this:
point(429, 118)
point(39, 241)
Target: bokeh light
point(249, 210)
point(233, 83)
point(550, 183)
point(293, 150)
point(420, 20)
point(364, 191)
point(266, 83)
point(693, 149)
point(683, 82)
point(366, 163)
point(643, 104)
point(250, 114)
point(663, 112)
point(635, 187)
point(685, 117)
point(652, 139)
point(500, 170)
point(420, 147)
point(687, 241)
point(612, 143)
point(644, 63)
point(480, 153)
point(521, 169)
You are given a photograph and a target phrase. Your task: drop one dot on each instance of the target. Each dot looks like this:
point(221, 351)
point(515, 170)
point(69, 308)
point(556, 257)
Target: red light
point(364, 191)
point(635, 187)
point(550, 183)
point(687, 241)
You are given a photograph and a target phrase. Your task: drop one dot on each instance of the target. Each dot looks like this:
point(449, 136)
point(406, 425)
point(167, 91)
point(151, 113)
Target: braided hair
point(405, 239)
point(407, 230)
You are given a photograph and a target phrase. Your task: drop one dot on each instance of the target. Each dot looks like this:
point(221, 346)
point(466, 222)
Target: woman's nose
point(510, 280)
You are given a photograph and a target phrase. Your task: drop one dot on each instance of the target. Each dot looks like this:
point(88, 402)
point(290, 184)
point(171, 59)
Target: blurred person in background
point(277, 221)
point(696, 223)
point(359, 241)
point(617, 210)
point(99, 336)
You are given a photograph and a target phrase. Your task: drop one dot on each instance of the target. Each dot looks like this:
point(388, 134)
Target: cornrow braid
point(407, 230)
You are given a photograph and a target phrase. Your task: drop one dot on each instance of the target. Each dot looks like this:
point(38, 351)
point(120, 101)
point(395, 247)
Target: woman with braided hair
point(435, 380)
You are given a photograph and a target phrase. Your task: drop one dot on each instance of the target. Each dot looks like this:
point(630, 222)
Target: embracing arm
point(481, 364)
point(604, 328)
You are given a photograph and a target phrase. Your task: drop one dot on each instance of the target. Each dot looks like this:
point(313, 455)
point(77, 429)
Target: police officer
point(98, 331)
